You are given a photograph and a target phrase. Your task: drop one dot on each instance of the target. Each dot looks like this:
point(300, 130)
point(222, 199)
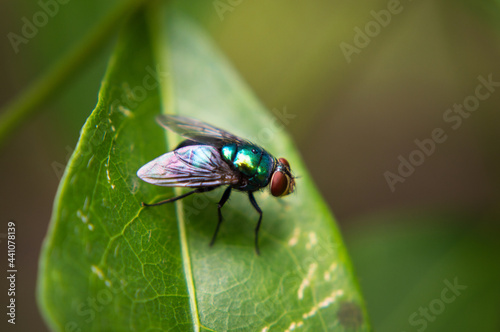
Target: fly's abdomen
point(253, 162)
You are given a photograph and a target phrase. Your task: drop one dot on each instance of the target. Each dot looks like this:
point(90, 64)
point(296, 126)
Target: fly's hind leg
point(173, 199)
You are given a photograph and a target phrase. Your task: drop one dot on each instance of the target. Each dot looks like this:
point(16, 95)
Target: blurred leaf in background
point(432, 272)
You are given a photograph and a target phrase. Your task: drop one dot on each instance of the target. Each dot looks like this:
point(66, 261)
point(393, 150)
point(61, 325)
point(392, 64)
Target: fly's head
point(282, 181)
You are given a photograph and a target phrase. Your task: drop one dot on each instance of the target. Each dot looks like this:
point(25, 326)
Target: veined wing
point(189, 166)
point(198, 131)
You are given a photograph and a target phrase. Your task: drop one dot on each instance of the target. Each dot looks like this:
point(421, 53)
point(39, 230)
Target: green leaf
point(110, 264)
point(426, 251)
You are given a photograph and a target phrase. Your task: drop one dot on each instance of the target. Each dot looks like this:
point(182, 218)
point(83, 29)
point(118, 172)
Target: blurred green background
point(352, 118)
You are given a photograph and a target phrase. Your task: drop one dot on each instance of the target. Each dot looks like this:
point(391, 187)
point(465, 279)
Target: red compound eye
point(284, 162)
point(279, 184)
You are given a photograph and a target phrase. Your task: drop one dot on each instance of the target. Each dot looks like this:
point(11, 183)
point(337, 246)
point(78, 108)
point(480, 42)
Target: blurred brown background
point(354, 116)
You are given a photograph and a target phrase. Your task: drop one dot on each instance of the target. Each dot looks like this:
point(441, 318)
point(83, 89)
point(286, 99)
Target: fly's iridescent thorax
point(254, 162)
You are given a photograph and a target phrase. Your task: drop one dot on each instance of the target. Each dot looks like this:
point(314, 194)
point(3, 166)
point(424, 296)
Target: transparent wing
point(189, 166)
point(198, 131)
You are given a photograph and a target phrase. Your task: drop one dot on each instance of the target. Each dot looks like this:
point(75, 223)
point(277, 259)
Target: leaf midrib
point(159, 36)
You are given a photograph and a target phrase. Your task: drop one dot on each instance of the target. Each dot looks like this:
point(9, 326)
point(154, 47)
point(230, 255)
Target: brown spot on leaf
point(350, 315)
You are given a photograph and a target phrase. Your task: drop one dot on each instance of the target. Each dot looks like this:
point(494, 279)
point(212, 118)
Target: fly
point(211, 157)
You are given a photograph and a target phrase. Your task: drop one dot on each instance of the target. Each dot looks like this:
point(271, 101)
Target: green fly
point(211, 157)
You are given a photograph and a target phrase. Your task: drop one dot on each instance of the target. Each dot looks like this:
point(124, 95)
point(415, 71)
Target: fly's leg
point(256, 206)
point(222, 201)
point(173, 199)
